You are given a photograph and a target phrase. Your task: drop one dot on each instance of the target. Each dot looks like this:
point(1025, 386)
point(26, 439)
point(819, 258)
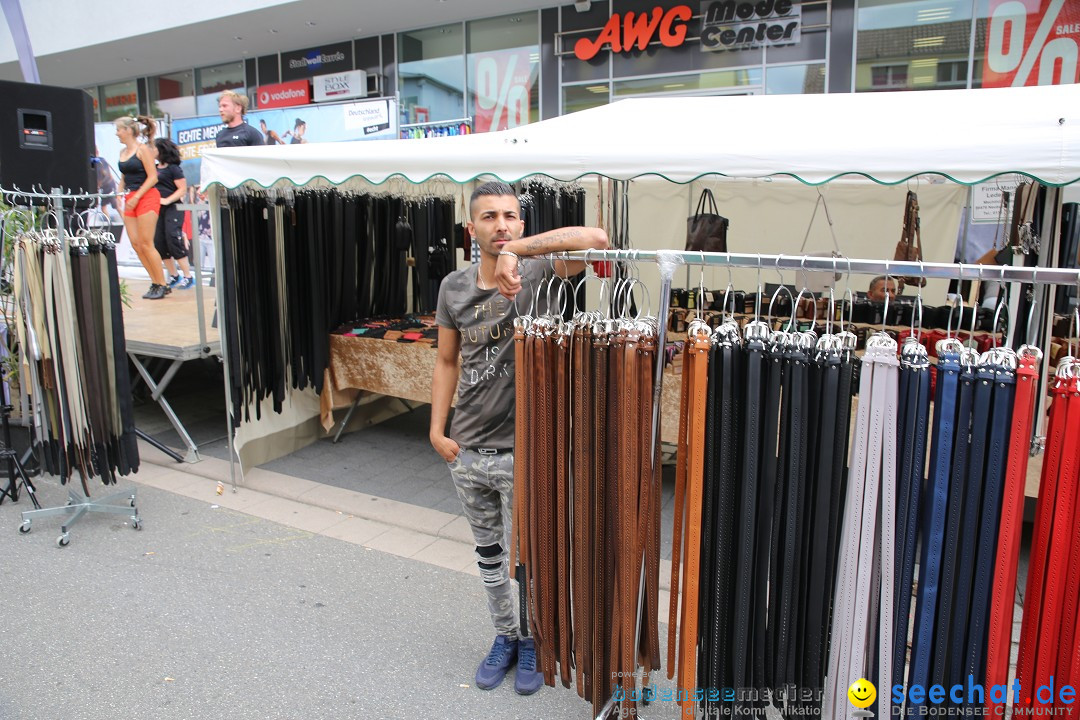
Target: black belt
point(490, 451)
point(1004, 381)
point(973, 498)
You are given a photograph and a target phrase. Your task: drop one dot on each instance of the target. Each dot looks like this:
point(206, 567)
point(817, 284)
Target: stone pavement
point(315, 602)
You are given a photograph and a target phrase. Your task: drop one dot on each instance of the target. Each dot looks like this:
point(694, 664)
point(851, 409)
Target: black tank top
point(133, 171)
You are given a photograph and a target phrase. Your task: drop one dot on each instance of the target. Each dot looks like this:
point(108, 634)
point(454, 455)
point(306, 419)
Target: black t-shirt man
point(239, 136)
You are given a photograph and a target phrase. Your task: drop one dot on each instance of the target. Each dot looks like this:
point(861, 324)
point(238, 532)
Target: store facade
point(509, 70)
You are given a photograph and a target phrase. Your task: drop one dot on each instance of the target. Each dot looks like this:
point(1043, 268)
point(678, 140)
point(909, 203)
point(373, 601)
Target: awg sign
point(1032, 42)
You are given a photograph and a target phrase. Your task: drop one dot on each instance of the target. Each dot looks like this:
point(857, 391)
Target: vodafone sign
point(297, 92)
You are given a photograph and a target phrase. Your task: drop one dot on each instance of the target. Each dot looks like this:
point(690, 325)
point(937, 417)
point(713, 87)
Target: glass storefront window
point(172, 94)
point(912, 44)
point(120, 99)
point(95, 97)
point(210, 81)
point(504, 71)
point(431, 74)
point(727, 82)
point(795, 79)
point(583, 97)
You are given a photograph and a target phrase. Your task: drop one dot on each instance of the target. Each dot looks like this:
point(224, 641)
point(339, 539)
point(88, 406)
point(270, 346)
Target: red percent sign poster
point(503, 89)
point(1032, 42)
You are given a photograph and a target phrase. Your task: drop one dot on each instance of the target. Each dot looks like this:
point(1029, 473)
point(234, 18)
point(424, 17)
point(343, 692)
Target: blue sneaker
point(527, 679)
point(174, 281)
point(185, 284)
point(498, 661)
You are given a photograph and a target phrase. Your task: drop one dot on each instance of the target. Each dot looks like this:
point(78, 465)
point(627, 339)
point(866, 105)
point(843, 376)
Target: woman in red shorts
point(142, 201)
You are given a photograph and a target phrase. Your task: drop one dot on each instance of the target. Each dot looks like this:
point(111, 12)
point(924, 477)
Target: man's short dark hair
point(879, 278)
point(495, 188)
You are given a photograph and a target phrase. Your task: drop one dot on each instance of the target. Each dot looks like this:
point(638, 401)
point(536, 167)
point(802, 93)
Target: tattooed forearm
point(552, 240)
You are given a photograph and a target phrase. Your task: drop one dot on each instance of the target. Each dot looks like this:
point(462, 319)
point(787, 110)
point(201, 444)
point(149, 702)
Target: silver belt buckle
point(487, 451)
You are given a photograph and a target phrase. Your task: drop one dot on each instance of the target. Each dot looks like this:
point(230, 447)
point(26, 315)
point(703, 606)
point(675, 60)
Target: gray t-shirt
point(484, 415)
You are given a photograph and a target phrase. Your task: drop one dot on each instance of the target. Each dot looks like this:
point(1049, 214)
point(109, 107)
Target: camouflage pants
point(485, 486)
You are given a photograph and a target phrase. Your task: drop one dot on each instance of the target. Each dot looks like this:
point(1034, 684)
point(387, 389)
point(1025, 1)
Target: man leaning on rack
point(476, 323)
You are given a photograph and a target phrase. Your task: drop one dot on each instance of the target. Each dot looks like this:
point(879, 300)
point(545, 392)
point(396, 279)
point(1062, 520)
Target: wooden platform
point(169, 328)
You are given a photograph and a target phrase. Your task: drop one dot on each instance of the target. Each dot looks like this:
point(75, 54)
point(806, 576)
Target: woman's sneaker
point(185, 283)
point(175, 280)
point(156, 292)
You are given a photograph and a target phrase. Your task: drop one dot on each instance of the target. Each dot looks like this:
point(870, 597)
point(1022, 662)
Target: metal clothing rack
point(669, 260)
point(78, 504)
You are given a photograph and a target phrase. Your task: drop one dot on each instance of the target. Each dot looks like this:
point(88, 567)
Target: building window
point(504, 71)
point(725, 82)
point(172, 94)
point(431, 74)
point(912, 44)
point(210, 81)
point(952, 73)
point(120, 99)
point(795, 79)
point(583, 97)
point(889, 77)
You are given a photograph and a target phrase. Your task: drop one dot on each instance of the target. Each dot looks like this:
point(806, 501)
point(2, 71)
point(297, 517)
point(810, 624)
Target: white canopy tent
point(967, 136)
point(746, 148)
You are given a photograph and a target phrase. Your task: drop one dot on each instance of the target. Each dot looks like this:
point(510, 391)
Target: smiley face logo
point(862, 693)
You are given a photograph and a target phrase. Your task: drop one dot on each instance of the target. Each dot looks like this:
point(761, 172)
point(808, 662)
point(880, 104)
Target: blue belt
point(922, 646)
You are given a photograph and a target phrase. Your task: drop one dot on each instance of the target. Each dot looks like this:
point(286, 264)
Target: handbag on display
point(706, 229)
point(909, 247)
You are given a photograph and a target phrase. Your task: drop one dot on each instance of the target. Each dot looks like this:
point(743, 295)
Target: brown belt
point(561, 348)
point(587, 512)
point(695, 454)
point(581, 545)
point(602, 561)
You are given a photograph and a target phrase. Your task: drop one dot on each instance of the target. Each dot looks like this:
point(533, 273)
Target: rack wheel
point(25, 527)
point(63, 540)
point(136, 522)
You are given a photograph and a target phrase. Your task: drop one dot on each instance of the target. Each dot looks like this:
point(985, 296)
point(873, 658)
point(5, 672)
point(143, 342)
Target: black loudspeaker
point(46, 138)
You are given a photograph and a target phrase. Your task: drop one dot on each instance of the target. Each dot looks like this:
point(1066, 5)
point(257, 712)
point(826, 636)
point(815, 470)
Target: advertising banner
point(504, 81)
point(340, 86)
point(366, 120)
point(1032, 42)
point(286, 94)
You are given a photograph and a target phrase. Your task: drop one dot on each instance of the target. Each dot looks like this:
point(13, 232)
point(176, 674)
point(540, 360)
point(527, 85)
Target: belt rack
point(79, 503)
point(668, 261)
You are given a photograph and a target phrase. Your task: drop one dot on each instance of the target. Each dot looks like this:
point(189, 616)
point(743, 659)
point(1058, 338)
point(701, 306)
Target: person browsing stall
point(475, 315)
point(142, 201)
point(232, 107)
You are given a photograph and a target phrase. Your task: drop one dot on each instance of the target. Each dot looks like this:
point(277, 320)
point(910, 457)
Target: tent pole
point(216, 198)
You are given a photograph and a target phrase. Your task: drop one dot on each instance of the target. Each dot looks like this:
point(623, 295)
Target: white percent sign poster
point(1032, 42)
point(504, 81)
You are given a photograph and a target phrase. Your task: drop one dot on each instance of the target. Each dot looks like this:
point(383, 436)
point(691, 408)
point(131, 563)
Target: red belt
point(1054, 520)
point(1012, 511)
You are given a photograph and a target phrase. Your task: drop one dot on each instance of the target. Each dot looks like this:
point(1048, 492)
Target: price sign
point(504, 82)
point(1032, 42)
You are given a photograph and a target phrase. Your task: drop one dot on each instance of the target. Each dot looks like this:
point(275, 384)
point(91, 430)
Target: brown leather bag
point(909, 248)
point(706, 229)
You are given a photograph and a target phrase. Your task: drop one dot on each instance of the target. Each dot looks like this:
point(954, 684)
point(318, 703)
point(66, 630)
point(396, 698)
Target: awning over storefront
point(968, 136)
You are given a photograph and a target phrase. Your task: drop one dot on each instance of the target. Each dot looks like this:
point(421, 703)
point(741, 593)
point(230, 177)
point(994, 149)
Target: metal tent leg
point(157, 392)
